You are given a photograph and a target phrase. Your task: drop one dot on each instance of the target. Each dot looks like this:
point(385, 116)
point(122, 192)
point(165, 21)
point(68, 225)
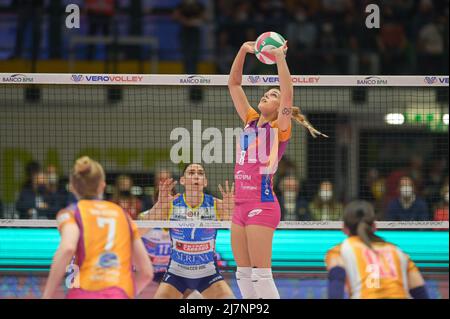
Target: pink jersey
point(257, 155)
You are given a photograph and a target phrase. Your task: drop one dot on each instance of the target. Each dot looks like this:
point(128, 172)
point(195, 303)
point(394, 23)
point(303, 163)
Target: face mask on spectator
point(289, 195)
point(126, 193)
point(325, 195)
point(406, 191)
point(53, 179)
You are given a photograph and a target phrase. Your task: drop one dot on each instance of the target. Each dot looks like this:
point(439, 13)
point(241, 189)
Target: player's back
point(105, 246)
point(377, 273)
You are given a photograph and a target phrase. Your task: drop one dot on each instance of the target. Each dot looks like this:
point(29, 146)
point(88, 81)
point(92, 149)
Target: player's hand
point(249, 47)
point(165, 190)
point(281, 51)
point(227, 193)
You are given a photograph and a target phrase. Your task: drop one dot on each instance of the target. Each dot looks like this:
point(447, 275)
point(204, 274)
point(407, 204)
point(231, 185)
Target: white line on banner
point(38, 223)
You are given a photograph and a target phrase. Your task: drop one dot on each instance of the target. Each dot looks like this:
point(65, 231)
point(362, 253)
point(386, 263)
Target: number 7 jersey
point(104, 248)
point(373, 274)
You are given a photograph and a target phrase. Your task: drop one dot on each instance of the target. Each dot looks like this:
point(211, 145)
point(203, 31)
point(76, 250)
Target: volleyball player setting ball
point(367, 266)
point(257, 211)
point(104, 240)
point(193, 264)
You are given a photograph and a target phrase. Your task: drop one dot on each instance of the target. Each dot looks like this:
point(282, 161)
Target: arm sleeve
point(134, 230)
point(251, 116)
point(65, 217)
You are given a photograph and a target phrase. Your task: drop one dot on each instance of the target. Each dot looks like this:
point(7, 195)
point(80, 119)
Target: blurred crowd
point(331, 37)
point(412, 193)
point(325, 36)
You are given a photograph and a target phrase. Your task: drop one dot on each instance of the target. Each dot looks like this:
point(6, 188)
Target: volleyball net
point(145, 128)
point(142, 128)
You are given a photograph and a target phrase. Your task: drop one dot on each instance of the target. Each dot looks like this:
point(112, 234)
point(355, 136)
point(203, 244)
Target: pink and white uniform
point(258, 152)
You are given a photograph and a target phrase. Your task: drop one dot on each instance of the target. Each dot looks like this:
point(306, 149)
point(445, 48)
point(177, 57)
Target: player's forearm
point(57, 272)
point(237, 68)
point(158, 212)
point(284, 75)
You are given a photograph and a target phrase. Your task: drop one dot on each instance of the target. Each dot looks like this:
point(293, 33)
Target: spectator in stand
point(302, 32)
point(408, 206)
point(29, 16)
point(430, 48)
point(393, 44)
point(325, 206)
point(37, 202)
point(374, 191)
point(234, 27)
point(124, 197)
point(293, 206)
point(191, 15)
point(414, 171)
point(434, 181)
point(100, 15)
point(59, 188)
point(441, 210)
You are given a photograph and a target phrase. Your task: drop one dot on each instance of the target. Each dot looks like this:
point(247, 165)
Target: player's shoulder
point(178, 201)
point(333, 256)
point(67, 214)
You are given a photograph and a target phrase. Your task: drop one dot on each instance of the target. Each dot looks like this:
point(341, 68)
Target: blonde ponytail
point(301, 119)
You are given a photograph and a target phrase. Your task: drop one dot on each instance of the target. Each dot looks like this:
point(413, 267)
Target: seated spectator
point(293, 207)
point(441, 211)
point(124, 197)
point(56, 187)
point(325, 206)
point(407, 207)
point(37, 202)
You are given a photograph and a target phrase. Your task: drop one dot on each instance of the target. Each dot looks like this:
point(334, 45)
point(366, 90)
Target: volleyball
point(267, 41)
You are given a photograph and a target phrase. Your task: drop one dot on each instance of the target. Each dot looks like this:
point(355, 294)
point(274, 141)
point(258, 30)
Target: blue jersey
point(193, 249)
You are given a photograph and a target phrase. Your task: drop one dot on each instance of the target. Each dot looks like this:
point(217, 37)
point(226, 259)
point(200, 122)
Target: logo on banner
point(195, 79)
point(18, 78)
point(372, 80)
point(77, 77)
point(434, 80)
point(254, 79)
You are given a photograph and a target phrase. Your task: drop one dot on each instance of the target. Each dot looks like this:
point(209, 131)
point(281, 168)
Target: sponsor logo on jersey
point(108, 260)
point(254, 212)
point(193, 248)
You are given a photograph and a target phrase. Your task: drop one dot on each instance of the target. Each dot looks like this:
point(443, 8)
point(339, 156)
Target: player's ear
point(182, 180)
point(101, 187)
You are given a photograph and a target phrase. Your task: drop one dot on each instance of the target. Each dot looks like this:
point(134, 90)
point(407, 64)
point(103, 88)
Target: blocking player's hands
point(226, 205)
point(160, 211)
point(166, 191)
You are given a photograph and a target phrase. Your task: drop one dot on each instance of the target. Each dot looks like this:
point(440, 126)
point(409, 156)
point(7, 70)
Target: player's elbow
point(147, 274)
point(68, 250)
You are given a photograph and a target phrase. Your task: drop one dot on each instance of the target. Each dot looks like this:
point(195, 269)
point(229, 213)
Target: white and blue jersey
point(193, 249)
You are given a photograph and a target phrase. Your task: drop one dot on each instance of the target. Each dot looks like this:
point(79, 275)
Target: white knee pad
point(244, 281)
point(263, 283)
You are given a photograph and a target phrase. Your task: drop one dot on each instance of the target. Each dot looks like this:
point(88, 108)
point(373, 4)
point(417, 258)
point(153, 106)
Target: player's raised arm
point(235, 80)
point(161, 209)
point(286, 88)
